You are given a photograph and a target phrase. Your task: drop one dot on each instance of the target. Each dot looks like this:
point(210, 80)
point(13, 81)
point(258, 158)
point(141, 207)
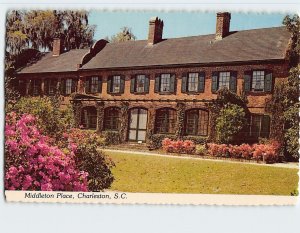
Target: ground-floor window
point(112, 118)
point(165, 121)
point(196, 122)
point(89, 118)
point(260, 126)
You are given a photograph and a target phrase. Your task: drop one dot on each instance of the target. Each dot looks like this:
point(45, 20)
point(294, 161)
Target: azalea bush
point(260, 152)
point(178, 146)
point(32, 162)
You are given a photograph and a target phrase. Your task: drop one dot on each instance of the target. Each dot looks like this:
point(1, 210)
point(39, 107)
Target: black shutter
point(173, 83)
point(214, 82)
point(122, 84)
point(157, 83)
point(109, 84)
point(87, 85)
point(74, 85)
point(233, 81)
point(265, 126)
point(201, 82)
point(63, 86)
point(268, 81)
point(147, 83)
point(99, 89)
point(46, 86)
point(132, 84)
point(184, 83)
point(247, 81)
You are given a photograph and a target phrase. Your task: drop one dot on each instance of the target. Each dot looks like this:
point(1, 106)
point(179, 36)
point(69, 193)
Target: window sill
point(116, 94)
point(166, 93)
point(140, 93)
point(258, 93)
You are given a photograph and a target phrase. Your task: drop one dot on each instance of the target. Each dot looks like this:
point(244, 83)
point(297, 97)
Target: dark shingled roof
point(242, 46)
point(65, 62)
point(249, 45)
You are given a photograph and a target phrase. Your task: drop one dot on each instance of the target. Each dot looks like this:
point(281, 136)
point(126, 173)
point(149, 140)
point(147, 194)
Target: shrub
point(196, 139)
point(111, 137)
point(51, 120)
point(178, 146)
point(265, 152)
point(155, 140)
point(90, 159)
point(230, 122)
point(32, 163)
point(201, 150)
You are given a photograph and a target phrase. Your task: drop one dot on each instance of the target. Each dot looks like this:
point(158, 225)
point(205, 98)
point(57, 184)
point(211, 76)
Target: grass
point(146, 173)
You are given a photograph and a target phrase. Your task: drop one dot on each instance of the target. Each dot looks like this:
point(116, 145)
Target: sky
point(176, 24)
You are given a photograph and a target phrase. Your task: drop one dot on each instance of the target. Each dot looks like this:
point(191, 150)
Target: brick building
point(139, 88)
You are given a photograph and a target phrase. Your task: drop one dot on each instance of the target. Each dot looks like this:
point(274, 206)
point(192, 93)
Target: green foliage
point(224, 97)
point(230, 122)
point(111, 137)
point(95, 162)
point(196, 139)
point(53, 121)
point(124, 35)
point(155, 140)
point(201, 150)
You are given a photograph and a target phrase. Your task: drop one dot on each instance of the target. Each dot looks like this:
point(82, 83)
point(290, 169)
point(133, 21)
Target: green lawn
point(140, 173)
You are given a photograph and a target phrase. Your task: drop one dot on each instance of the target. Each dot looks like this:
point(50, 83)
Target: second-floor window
point(224, 79)
point(193, 82)
point(36, 87)
point(68, 86)
point(139, 84)
point(115, 84)
point(165, 83)
point(258, 81)
point(227, 79)
point(93, 84)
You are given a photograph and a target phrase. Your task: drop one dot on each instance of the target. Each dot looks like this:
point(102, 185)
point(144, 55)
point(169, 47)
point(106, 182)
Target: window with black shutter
point(226, 79)
point(193, 82)
point(165, 83)
point(139, 83)
point(258, 81)
point(93, 84)
point(116, 84)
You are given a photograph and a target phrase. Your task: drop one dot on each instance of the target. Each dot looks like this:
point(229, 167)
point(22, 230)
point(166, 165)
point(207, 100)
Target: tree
point(124, 35)
point(28, 33)
point(230, 122)
point(284, 104)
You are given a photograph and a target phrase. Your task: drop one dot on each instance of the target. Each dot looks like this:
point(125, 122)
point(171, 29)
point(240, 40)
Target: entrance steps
point(130, 146)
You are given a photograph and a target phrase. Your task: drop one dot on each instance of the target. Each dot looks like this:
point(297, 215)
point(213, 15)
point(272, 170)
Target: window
point(165, 121)
point(94, 84)
point(140, 83)
point(112, 118)
point(68, 87)
point(51, 86)
point(165, 82)
point(193, 80)
point(258, 81)
point(35, 86)
point(224, 80)
point(260, 126)
point(116, 84)
point(89, 118)
point(22, 87)
point(197, 122)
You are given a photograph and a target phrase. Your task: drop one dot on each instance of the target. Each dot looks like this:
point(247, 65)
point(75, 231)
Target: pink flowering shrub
point(178, 146)
point(33, 163)
point(266, 152)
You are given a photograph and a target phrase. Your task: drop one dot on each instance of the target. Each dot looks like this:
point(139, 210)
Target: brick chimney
point(57, 47)
point(223, 25)
point(156, 26)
